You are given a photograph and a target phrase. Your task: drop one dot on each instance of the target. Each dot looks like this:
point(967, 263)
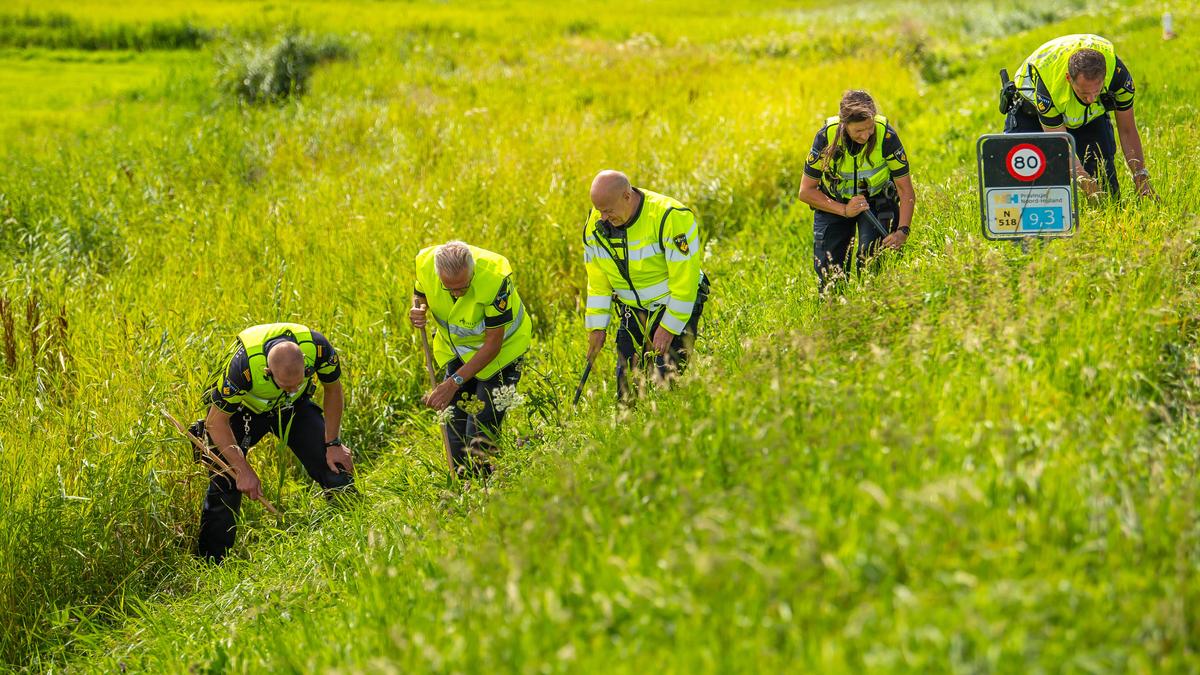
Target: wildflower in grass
point(709, 248)
point(444, 415)
point(471, 404)
point(507, 397)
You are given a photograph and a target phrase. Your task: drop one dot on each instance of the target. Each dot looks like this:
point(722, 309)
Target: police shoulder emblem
point(812, 157)
point(501, 301)
point(681, 243)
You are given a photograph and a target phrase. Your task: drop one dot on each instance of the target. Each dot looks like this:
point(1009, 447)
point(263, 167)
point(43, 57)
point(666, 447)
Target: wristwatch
point(1142, 173)
point(904, 229)
point(336, 441)
point(457, 379)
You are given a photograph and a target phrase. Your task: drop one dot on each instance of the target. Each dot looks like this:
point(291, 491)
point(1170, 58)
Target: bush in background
point(260, 74)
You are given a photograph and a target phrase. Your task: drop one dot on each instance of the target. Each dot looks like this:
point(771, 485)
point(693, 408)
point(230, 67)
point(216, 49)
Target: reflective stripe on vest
point(647, 286)
point(465, 352)
point(462, 328)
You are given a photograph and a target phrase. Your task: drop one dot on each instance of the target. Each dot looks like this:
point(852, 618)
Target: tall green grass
point(59, 30)
point(973, 459)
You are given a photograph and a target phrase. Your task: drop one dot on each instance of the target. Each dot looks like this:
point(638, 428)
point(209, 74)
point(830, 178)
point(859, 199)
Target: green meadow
point(973, 459)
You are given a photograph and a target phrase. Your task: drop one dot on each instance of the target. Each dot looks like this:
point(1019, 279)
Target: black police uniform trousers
point(473, 437)
point(306, 438)
point(832, 234)
point(1095, 143)
point(633, 343)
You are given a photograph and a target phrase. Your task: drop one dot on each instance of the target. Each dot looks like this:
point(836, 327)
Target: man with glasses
point(266, 386)
point(480, 340)
point(645, 248)
point(1072, 83)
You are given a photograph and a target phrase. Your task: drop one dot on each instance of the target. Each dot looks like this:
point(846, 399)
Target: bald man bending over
point(266, 386)
point(645, 249)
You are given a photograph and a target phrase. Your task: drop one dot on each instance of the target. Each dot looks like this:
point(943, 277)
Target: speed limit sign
point(1025, 186)
point(1026, 162)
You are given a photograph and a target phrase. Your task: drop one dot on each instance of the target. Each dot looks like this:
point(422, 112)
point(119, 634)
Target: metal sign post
point(1025, 185)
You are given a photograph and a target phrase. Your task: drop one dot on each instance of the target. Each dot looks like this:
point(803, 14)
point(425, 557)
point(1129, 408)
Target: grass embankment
point(976, 459)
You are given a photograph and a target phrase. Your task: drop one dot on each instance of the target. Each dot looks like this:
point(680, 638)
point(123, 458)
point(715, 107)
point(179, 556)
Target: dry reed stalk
point(33, 319)
point(216, 459)
point(60, 338)
point(10, 333)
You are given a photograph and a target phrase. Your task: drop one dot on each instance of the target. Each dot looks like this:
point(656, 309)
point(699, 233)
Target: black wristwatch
point(336, 441)
point(904, 229)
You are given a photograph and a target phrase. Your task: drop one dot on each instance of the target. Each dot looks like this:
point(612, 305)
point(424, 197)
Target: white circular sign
point(1026, 162)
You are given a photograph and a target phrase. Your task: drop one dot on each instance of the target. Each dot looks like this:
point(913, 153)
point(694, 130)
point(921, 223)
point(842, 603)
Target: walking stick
point(862, 188)
point(582, 381)
point(433, 383)
point(223, 467)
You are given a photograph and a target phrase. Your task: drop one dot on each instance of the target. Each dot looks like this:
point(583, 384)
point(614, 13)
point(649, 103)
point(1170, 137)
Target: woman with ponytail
point(857, 168)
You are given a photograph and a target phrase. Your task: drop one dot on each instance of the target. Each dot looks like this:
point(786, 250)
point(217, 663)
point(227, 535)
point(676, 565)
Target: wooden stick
point(433, 383)
point(217, 459)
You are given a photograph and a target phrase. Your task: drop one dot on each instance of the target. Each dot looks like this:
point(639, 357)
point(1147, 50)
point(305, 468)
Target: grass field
point(973, 460)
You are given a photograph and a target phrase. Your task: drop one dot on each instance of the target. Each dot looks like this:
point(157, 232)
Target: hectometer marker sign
point(1025, 186)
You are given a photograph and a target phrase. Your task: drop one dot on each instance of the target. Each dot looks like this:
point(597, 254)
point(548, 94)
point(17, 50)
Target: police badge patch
point(812, 157)
point(1043, 103)
point(681, 243)
point(501, 301)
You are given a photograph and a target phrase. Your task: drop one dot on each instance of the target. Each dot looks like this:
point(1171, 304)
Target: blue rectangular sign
point(1042, 219)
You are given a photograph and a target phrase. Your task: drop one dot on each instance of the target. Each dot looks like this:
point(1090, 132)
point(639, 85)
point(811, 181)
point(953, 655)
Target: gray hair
point(453, 257)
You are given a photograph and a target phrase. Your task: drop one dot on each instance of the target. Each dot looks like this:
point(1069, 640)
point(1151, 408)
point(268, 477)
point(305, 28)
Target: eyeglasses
point(463, 289)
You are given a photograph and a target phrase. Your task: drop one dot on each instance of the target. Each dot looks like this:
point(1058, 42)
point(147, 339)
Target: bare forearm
point(217, 425)
point(1131, 146)
point(821, 201)
point(334, 404)
point(908, 201)
point(486, 354)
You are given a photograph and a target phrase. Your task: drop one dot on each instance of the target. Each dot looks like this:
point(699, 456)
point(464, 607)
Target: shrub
point(258, 74)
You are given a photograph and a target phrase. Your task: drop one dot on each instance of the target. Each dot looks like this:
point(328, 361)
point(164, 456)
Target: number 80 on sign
point(1026, 162)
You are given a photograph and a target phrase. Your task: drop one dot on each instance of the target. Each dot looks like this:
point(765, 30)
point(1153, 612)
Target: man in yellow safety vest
point(1072, 83)
point(483, 332)
point(645, 248)
point(266, 386)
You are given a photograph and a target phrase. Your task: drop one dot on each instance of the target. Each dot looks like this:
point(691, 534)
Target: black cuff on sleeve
point(497, 321)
